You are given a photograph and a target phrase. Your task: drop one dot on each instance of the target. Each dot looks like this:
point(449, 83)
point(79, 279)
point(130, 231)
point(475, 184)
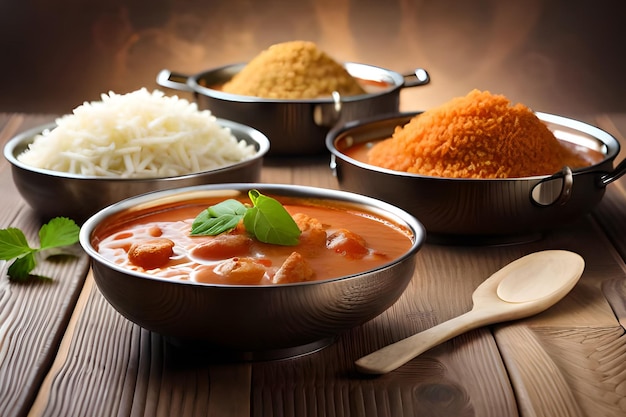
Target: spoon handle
point(397, 354)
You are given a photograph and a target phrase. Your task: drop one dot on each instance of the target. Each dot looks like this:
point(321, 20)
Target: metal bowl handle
point(416, 78)
point(173, 80)
point(554, 190)
point(328, 115)
point(619, 170)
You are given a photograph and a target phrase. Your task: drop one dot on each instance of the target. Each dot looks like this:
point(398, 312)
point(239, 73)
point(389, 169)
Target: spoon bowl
point(526, 286)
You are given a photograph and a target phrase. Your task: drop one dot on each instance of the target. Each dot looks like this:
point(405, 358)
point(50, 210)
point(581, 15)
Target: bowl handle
point(328, 114)
point(554, 190)
point(173, 80)
point(619, 170)
point(416, 78)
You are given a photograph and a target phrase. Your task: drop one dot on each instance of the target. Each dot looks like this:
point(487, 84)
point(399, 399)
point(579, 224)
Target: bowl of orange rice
point(478, 169)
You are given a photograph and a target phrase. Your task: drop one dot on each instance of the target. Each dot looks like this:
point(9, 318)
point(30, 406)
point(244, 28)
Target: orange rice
point(293, 70)
point(480, 135)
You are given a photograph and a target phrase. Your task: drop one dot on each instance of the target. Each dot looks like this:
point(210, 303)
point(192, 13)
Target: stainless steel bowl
point(481, 211)
point(250, 322)
point(52, 193)
point(295, 127)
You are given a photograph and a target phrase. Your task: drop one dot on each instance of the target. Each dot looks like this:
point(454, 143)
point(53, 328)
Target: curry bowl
point(481, 211)
point(53, 193)
point(296, 127)
point(242, 320)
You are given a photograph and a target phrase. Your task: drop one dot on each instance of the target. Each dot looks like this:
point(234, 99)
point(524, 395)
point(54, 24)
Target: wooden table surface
point(64, 351)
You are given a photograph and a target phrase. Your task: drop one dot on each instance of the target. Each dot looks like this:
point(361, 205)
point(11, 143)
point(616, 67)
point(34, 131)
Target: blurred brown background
point(560, 56)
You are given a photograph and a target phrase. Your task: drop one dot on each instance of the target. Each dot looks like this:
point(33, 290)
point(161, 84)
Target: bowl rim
point(261, 142)
point(611, 144)
point(402, 216)
point(193, 83)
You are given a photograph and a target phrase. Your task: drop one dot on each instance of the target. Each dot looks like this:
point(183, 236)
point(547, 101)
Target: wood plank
point(108, 366)
point(313, 172)
point(466, 376)
point(557, 360)
point(568, 360)
point(576, 312)
point(610, 213)
point(462, 377)
point(33, 315)
point(168, 381)
point(543, 380)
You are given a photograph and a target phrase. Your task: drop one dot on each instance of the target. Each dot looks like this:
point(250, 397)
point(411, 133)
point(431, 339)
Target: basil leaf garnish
point(267, 220)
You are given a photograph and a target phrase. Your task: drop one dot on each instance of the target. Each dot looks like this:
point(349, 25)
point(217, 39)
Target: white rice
point(136, 135)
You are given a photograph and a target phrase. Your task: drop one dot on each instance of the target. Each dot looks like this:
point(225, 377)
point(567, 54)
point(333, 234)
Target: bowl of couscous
point(478, 169)
point(295, 93)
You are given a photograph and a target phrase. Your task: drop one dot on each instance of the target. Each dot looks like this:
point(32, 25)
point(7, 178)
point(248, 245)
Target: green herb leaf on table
point(267, 220)
point(58, 232)
point(13, 244)
point(21, 268)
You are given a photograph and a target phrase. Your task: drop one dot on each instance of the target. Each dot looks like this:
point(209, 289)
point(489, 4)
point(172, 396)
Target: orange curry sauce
point(336, 241)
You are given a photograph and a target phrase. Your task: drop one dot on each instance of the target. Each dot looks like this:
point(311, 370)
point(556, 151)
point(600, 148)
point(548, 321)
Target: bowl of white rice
point(125, 145)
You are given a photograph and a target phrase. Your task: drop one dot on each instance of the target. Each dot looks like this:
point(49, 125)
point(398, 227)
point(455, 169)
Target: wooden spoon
point(524, 287)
